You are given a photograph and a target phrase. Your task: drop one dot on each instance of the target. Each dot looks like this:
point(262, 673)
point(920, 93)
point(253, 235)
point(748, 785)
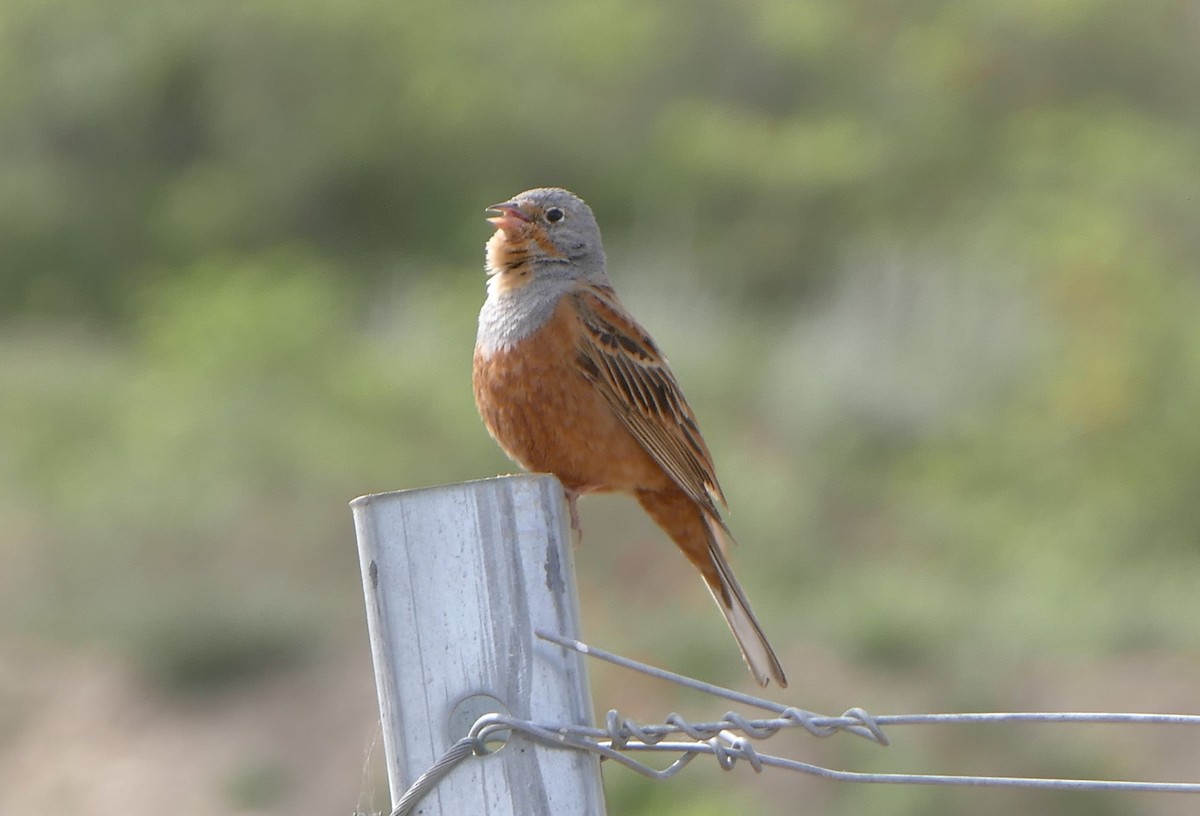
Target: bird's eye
point(554, 215)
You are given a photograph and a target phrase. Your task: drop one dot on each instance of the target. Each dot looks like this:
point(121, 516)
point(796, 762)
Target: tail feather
point(703, 537)
point(728, 593)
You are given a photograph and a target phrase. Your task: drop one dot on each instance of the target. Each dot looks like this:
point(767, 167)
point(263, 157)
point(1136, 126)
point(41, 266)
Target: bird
point(568, 382)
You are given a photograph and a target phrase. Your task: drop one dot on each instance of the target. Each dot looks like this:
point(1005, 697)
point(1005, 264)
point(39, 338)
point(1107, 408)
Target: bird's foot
point(576, 526)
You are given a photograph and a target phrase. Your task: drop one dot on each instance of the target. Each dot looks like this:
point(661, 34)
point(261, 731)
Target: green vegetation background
point(928, 271)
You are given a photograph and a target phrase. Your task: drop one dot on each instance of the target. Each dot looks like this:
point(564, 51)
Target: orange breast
point(548, 418)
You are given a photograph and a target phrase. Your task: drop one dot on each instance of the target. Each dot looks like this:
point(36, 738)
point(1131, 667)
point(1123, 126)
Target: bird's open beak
point(512, 218)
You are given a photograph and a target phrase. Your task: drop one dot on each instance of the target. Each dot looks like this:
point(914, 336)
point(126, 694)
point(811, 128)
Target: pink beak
point(511, 219)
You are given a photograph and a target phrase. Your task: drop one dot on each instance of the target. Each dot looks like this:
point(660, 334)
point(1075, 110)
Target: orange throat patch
point(509, 260)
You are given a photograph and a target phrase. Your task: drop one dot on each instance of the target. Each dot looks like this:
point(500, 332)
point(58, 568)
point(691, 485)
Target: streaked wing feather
point(621, 360)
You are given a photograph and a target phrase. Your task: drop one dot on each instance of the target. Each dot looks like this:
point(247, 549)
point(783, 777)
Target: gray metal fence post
point(457, 579)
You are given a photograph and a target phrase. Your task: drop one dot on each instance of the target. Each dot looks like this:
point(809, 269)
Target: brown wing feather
point(620, 359)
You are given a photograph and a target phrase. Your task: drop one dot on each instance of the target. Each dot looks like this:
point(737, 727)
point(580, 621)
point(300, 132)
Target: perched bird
point(568, 383)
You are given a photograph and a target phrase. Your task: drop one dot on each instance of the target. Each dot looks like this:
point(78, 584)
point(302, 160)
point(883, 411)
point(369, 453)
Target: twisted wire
point(728, 740)
point(465, 747)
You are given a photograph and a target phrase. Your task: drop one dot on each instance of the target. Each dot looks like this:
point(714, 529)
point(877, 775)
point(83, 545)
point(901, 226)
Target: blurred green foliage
point(929, 272)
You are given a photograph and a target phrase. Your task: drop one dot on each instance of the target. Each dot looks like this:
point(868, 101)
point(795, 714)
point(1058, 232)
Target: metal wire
point(723, 739)
point(465, 747)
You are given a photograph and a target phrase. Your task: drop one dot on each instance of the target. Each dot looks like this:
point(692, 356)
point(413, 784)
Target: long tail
point(702, 540)
point(728, 593)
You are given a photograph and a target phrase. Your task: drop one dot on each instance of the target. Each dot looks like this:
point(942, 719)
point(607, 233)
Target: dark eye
point(554, 215)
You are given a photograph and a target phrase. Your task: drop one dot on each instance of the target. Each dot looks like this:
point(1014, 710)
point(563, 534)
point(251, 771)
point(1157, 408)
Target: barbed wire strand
point(622, 736)
point(880, 721)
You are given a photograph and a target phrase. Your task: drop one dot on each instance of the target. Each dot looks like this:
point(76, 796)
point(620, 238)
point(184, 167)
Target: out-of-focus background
point(929, 273)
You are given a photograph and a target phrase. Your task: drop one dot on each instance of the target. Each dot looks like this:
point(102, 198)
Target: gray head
point(546, 242)
point(555, 231)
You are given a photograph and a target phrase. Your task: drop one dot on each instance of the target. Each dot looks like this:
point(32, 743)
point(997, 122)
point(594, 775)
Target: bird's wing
point(618, 357)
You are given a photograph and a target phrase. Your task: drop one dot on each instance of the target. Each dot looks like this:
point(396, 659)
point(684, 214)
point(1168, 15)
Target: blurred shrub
point(215, 445)
point(765, 139)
